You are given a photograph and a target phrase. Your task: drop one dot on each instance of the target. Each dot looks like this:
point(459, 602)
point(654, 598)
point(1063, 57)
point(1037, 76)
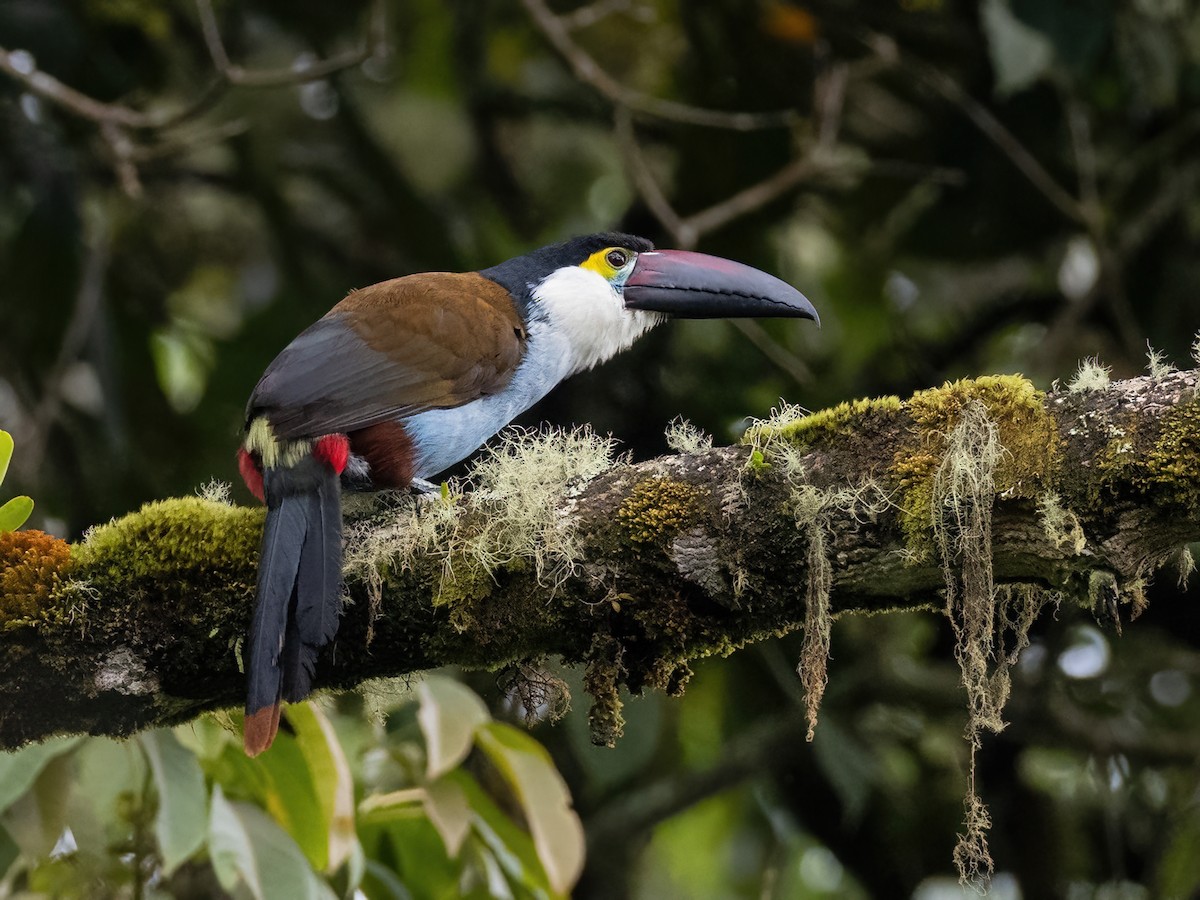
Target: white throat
point(581, 307)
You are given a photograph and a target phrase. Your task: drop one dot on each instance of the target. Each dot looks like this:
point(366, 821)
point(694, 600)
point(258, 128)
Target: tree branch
point(557, 31)
point(633, 571)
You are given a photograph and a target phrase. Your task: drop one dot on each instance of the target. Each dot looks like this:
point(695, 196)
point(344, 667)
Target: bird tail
point(299, 587)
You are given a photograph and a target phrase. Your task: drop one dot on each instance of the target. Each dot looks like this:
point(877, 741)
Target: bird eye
point(617, 258)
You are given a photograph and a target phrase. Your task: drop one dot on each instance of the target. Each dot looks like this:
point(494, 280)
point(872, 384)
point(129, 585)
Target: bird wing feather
point(428, 341)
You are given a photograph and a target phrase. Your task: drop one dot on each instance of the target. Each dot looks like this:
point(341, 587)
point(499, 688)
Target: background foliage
point(961, 188)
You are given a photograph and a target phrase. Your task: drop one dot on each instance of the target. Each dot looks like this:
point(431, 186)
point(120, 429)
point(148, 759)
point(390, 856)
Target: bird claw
point(421, 486)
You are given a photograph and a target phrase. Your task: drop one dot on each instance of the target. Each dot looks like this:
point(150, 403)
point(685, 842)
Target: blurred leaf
point(9, 851)
point(204, 736)
point(109, 779)
point(1020, 55)
point(449, 714)
point(379, 809)
point(502, 843)
point(183, 359)
point(290, 796)
point(248, 849)
point(381, 883)
point(1179, 869)
point(182, 819)
point(37, 819)
point(19, 769)
point(530, 772)
point(394, 829)
point(6, 452)
point(331, 779)
point(690, 852)
point(447, 806)
point(14, 513)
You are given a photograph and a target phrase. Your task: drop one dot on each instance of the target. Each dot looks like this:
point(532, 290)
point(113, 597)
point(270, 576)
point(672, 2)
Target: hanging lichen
point(1025, 431)
point(778, 445)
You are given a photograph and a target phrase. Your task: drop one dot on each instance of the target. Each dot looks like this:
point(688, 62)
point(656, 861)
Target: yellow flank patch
point(598, 262)
point(260, 439)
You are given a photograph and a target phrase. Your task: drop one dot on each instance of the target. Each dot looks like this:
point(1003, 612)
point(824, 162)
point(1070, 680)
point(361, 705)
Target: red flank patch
point(251, 473)
point(334, 451)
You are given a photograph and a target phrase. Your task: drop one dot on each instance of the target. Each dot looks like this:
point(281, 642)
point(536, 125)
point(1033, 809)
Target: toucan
point(405, 378)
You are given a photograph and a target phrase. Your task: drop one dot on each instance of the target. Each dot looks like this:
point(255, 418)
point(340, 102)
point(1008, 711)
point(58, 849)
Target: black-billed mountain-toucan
point(405, 378)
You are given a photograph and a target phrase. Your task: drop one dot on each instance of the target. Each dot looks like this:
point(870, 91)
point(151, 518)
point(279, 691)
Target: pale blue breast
point(442, 437)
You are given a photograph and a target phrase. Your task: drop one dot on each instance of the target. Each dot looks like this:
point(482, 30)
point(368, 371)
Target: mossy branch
point(635, 570)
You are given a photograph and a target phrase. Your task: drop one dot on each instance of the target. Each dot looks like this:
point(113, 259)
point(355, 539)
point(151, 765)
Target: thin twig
point(590, 72)
point(686, 233)
point(594, 12)
point(1112, 264)
point(21, 67)
point(647, 185)
point(1085, 160)
point(88, 302)
point(757, 195)
point(291, 75)
point(829, 97)
point(998, 134)
point(789, 362)
point(186, 142)
point(122, 149)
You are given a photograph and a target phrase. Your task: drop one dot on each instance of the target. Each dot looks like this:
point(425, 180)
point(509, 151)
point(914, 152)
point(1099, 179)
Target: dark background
point(961, 188)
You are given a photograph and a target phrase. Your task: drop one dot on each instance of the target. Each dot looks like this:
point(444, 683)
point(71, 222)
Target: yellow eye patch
point(609, 261)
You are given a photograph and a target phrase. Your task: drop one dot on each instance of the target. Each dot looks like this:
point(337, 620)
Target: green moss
point(1162, 464)
point(1168, 469)
point(1027, 433)
point(658, 508)
point(814, 428)
point(195, 558)
point(463, 579)
point(604, 673)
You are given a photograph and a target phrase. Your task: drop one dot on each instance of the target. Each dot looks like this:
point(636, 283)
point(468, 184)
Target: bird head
point(600, 292)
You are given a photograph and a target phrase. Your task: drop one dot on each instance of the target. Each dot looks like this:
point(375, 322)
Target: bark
point(634, 571)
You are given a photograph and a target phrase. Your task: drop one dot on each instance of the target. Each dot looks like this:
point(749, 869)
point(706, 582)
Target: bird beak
point(696, 286)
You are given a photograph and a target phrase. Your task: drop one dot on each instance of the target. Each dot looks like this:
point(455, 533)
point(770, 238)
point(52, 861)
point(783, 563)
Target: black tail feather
point(318, 587)
point(299, 592)
point(283, 536)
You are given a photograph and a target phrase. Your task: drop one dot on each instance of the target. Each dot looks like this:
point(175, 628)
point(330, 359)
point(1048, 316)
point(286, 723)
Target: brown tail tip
point(260, 729)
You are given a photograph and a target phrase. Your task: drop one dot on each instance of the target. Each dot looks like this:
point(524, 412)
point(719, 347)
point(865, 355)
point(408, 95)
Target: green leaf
point(110, 778)
point(381, 883)
point(249, 850)
point(449, 810)
point(529, 771)
point(502, 842)
point(331, 779)
point(6, 452)
point(449, 714)
point(14, 513)
point(182, 819)
point(288, 793)
point(19, 769)
point(418, 856)
point(380, 809)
